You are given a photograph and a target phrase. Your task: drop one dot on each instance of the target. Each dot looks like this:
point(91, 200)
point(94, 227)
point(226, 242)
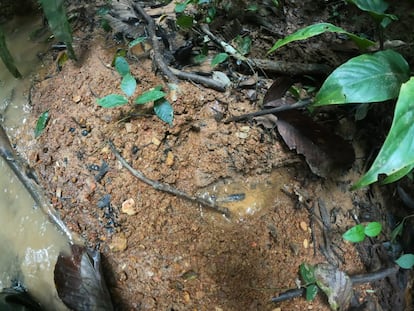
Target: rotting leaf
point(324, 151)
point(336, 284)
point(41, 123)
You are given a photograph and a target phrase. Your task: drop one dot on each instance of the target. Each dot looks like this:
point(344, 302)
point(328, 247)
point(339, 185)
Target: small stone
point(119, 243)
point(242, 135)
point(306, 243)
point(186, 297)
point(245, 129)
point(277, 309)
point(128, 207)
point(170, 159)
point(304, 226)
point(128, 127)
point(156, 141)
point(76, 98)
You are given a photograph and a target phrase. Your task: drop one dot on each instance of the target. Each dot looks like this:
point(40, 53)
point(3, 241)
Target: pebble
point(128, 207)
point(170, 159)
point(119, 243)
point(306, 243)
point(304, 226)
point(186, 297)
point(76, 98)
point(156, 141)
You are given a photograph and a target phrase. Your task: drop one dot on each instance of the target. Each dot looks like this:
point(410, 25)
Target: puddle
point(30, 243)
point(248, 196)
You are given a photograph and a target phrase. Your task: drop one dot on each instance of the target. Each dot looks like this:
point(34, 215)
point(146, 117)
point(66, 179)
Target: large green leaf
point(375, 7)
point(397, 151)
point(365, 79)
point(56, 16)
point(112, 100)
point(317, 29)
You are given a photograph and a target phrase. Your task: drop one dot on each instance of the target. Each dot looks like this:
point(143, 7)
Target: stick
point(8, 154)
point(158, 58)
point(211, 83)
point(167, 188)
point(356, 279)
point(297, 105)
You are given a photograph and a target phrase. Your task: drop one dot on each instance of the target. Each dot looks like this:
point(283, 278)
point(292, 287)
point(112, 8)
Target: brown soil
point(170, 254)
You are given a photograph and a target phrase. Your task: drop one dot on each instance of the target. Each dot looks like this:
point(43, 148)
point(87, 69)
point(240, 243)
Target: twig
point(297, 105)
point(356, 279)
point(167, 188)
point(287, 68)
point(158, 58)
point(211, 83)
point(16, 164)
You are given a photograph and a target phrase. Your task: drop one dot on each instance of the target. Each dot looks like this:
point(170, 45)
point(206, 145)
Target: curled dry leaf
point(336, 284)
point(324, 151)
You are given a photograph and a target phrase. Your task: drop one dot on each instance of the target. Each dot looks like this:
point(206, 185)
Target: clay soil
point(163, 252)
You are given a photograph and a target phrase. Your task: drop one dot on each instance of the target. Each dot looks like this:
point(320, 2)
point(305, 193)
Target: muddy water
point(250, 195)
point(29, 244)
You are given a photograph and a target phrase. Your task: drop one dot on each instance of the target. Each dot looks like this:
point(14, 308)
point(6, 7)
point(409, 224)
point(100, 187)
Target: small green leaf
point(136, 41)
point(112, 100)
point(164, 110)
point(372, 229)
point(406, 261)
point(41, 123)
point(373, 6)
point(355, 234)
point(185, 21)
point(219, 58)
point(243, 44)
point(311, 292)
point(180, 7)
point(365, 79)
point(128, 84)
point(121, 65)
point(198, 59)
point(307, 272)
point(119, 53)
point(397, 152)
point(317, 29)
point(149, 96)
point(397, 231)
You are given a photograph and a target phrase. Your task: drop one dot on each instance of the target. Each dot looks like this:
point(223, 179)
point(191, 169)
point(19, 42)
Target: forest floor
point(162, 252)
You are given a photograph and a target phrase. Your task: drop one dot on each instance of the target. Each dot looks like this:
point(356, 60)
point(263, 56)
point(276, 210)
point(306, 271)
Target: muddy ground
point(163, 252)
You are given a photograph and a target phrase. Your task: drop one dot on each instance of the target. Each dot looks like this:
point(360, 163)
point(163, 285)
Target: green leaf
point(317, 29)
point(56, 16)
point(311, 292)
point(121, 65)
point(365, 79)
point(397, 231)
point(355, 234)
point(41, 123)
point(180, 7)
point(136, 41)
point(128, 84)
point(149, 96)
point(164, 110)
point(112, 100)
point(406, 261)
point(185, 21)
point(376, 8)
point(243, 44)
point(219, 58)
point(397, 152)
point(398, 175)
point(372, 229)
point(373, 6)
point(307, 272)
